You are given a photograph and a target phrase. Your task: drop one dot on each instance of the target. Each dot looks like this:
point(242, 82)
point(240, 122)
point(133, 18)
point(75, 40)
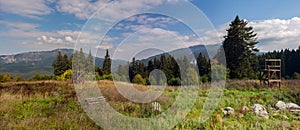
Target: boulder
point(280, 105)
point(228, 111)
point(245, 108)
point(260, 110)
point(292, 107)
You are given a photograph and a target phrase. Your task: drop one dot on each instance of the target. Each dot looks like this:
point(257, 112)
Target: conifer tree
point(90, 62)
point(61, 64)
point(107, 64)
point(58, 65)
point(239, 45)
point(203, 65)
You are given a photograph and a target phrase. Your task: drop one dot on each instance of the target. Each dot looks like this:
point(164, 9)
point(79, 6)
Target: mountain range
point(27, 64)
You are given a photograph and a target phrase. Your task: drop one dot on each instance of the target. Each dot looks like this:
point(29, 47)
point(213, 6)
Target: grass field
point(54, 105)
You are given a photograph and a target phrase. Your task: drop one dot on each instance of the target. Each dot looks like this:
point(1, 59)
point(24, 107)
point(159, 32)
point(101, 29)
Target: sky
point(38, 25)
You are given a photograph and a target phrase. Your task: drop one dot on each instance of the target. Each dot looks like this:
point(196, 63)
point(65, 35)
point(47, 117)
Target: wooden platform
point(270, 72)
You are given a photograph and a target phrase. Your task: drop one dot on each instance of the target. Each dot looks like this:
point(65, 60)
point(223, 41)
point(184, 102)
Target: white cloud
point(19, 25)
point(145, 21)
point(276, 34)
point(29, 33)
point(112, 10)
point(69, 39)
point(27, 8)
point(273, 34)
point(104, 46)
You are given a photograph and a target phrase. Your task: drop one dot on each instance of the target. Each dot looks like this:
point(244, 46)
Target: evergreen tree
point(203, 65)
point(90, 62)
point(150, 66)
point(71, 61)
point(156, 63)
point(58, 65)
point(133, 69)
point(239, 45)
point(66, 63)
point(61, 64)
point(141, 70)
point(290, 61)
point(107, 64)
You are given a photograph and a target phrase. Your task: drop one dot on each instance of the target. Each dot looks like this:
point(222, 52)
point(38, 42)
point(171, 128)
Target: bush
point(204, 79)
point(138, 79)
point(66, 75)
point(106, 77)
point(174, 82)
point(17, 78)
point(296, 75)
point(5, 78)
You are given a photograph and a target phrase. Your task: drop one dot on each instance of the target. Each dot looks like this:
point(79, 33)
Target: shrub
point(5, 78)
point(138, 79)
point(204, 78)
point(66, 75)
point(296, 75)
point(106, 77)
point(174, 82)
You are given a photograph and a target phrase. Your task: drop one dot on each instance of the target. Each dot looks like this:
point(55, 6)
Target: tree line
point(290, 61)
point(239, 47)
point(62, 65)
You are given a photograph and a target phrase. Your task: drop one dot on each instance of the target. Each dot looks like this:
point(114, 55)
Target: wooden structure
point(270, 73)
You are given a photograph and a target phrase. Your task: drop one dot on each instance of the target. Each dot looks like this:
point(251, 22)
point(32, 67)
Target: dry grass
point(54, 105)
point(41, 105)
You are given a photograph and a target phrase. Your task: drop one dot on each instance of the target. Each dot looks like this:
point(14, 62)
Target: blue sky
point(34, 25)
point(222, 11)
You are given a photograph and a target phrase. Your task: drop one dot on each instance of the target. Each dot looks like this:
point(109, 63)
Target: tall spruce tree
point(203, 65)
point(239, 45)
point(107, 64)
point(66, 63)
point(60, 64)
point(133, 69)
point(90, 62)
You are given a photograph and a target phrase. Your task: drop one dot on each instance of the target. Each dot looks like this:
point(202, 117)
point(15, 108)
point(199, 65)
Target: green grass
point(54, 105)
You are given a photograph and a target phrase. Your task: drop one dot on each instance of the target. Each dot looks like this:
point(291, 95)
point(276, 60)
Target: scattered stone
point(228, 111)
point(280, 105)
point(245, 108)
point(260, 110)
point(156, 106)
point(241, 115)
point(292, 107)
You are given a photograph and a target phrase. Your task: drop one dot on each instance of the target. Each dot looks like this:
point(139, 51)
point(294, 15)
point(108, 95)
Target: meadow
point(54, 105)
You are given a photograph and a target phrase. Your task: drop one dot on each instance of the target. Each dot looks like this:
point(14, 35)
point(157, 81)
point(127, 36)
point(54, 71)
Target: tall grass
point(54, 105)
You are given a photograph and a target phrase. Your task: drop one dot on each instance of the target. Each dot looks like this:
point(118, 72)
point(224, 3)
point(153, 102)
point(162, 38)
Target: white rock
point(228, 111)
point(260, 110)
point(280, 105)
point(245, 108)
point(292, 107)
point(156, 106)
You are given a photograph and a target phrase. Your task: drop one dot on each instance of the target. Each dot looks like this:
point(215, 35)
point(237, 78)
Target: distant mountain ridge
point(28, 64)
point(191, 52)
